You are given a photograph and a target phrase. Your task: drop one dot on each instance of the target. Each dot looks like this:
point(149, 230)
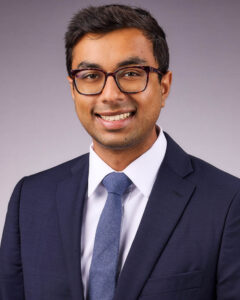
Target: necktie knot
point(116, 183)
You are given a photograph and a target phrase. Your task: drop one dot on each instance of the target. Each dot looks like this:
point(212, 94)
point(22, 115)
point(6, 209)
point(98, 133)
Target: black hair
point(107, 18)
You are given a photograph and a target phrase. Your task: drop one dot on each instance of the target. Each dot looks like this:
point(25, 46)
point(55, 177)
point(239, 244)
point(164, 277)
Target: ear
point(70, 81)
point(165, 86)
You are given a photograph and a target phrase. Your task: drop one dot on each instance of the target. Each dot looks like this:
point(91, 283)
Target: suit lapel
point(169, 197)
point(70, 197)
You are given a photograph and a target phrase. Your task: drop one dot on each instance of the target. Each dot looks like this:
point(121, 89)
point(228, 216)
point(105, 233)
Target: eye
point(131, 74)
point(88, 75)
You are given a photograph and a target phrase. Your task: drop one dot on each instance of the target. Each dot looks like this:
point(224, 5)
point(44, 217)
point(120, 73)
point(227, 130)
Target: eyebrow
point(86, 64)
point(133, 60)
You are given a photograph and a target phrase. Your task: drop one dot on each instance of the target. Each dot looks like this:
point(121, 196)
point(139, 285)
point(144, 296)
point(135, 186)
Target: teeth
point(116, 117)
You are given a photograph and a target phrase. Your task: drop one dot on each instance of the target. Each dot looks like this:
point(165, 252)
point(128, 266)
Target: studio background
point(38, 125)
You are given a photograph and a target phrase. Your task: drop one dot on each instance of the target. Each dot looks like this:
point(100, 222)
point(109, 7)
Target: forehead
point(108, 50)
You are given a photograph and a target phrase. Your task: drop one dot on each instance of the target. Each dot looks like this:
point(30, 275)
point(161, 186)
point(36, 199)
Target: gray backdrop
point(39, 128)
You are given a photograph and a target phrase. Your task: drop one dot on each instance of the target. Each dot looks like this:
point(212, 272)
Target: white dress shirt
point(142, 172)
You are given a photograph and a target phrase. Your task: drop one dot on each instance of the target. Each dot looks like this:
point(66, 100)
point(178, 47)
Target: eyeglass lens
point(129, 80)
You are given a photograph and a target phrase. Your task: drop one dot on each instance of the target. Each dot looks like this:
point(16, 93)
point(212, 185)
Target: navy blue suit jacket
point(187, 246)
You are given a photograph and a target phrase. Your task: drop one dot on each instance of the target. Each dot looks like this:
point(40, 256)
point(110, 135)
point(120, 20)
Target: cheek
point(82, 109)
point(151, 103)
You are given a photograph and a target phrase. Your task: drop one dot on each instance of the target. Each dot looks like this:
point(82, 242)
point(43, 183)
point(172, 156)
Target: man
point(138, 218)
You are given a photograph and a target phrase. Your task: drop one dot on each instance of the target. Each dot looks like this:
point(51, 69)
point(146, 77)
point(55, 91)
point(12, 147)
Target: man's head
point(104, 19)
point(118, 107)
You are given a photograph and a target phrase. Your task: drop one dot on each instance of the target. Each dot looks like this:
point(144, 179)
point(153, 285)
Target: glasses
point(129, 80)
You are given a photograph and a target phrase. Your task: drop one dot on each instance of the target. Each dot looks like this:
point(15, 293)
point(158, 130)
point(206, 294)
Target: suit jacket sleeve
point(11, 275)
point(228, 281)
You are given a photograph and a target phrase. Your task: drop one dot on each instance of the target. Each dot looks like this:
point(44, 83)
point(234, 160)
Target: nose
point(111, 91)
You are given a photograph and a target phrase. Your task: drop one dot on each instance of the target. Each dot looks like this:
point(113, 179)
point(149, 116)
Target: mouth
point(115, 120)
point(117, 117)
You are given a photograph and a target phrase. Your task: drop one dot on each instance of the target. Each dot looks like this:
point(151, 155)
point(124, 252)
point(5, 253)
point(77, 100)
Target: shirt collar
point(142, 171)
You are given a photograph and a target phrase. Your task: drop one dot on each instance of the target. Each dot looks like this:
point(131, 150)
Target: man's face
point(136, 128)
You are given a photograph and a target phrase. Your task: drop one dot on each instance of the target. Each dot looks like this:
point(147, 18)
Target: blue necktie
point(103, 270)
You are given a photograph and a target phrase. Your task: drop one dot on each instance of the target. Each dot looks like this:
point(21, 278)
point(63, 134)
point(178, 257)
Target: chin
point(116, 144)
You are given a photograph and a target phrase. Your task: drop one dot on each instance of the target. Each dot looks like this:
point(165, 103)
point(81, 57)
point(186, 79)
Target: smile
point(116, 117)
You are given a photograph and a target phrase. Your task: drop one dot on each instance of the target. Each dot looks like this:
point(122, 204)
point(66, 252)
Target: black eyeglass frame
point(147, 69)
